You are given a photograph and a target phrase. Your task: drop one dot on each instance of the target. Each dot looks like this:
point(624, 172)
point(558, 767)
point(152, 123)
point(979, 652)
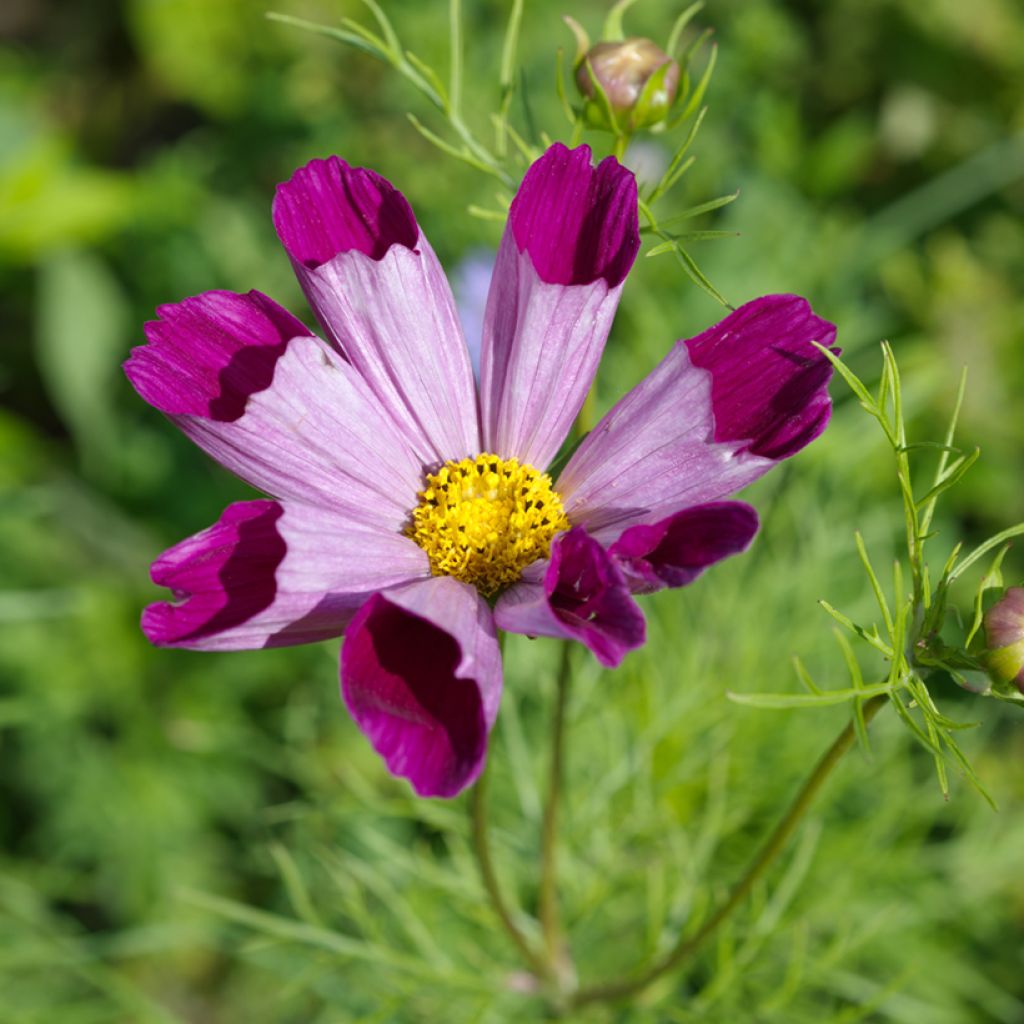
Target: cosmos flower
point(411, 511)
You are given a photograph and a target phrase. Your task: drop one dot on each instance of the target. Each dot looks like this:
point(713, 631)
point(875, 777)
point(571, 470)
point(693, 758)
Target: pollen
point(486, 519)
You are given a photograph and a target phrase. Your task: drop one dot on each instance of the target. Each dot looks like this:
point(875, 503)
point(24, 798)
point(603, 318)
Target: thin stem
point(686, 947)
point(482, 848)
point(548, 898)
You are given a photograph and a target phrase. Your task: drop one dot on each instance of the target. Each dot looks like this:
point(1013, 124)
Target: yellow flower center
point(486, 519)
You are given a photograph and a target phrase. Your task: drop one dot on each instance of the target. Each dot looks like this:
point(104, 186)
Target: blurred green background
point(206, 838)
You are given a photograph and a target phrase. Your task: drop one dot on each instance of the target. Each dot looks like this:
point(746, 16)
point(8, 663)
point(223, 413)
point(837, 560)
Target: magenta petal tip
point(578, 223)
point(769, 381)
point(328, 207)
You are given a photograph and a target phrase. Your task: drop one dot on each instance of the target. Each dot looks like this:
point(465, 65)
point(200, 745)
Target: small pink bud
point(624, 72)
point(1004, 634)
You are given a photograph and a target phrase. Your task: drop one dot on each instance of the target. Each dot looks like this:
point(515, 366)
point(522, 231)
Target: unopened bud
point(638, 79)
point(1004, 634)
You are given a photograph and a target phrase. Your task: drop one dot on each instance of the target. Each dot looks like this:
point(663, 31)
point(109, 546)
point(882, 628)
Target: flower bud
point(638, 79)
point(1004, 634)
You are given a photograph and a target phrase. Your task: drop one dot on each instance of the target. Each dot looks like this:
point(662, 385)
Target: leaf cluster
point(505, 156)
point(917, 613)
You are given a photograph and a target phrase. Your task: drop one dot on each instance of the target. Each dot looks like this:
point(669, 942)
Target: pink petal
point(269, 575)
point(379, 291)
point(421, 675)
point(245, 381)
point(583, 596)
point(691, 434)
point(675, 551)
point(571, 238)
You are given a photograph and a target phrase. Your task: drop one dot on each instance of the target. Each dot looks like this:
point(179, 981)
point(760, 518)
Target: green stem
point(548, 898)
point(686, 947)
point(482, 848)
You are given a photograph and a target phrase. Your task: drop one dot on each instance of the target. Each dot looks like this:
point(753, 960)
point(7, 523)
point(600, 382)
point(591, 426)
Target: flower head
point(411, 511)
point(639, 81)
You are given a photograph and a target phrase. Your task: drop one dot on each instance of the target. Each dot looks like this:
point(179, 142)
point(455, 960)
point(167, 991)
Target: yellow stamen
point(486, 519)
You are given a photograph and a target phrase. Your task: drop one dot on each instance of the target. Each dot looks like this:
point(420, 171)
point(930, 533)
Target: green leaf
point(700, 208)
point(856, 385)
point(680, 24)
point(984, 548)
point(613, 22)
point(875, 585)
point(955, 473)
point(808, 700)
point(991, 580)
point(870, 637)
point(699, 277)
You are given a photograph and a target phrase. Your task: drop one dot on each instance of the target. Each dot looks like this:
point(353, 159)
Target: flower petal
point(208, 354)
point(678, 549)
point(583, 596)
point(421, 675)
point(769, 384)
point(717, 413)
point(245, 381)
point(572, 236)
point(269, 575)
point(380, 293)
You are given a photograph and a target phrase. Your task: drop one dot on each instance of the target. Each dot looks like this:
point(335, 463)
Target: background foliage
point(206, 837)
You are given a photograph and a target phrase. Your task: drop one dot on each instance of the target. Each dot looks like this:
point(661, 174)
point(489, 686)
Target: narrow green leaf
point(427, 80)
point(446, 147)
point(875, 585)
point(680, 24)
point(390, 35)
point(612, 30)
point(856, 385)
point(697, 97)
point(570, 114)
point(677, 158)
point(982, 549)
point(455, 55)
point(955, 473)
point(805, 677)
point(860, 724)
point(695, 211)
point(507, 73)
point(349, 38)
point(482, 213)
point(697, 275)
point(872, 638)
point(991, 580)
point(704, 236)
point(915, 445)
point(808, 700)
point(926, 519)
point(662, 248)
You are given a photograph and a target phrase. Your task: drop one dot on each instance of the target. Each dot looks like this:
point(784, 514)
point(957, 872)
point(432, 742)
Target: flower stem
point(548, 898)
point(482, 848)
point(686, 947)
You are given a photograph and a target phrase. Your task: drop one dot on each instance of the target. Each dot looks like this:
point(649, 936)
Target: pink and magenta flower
point(409, 510)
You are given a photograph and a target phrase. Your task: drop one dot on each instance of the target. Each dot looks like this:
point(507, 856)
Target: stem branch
point(686, 947)
point(482, 848)
point(548, 898)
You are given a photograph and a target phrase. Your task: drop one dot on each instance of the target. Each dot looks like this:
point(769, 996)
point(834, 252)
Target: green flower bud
point(1004, 634)
point(638, 80)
